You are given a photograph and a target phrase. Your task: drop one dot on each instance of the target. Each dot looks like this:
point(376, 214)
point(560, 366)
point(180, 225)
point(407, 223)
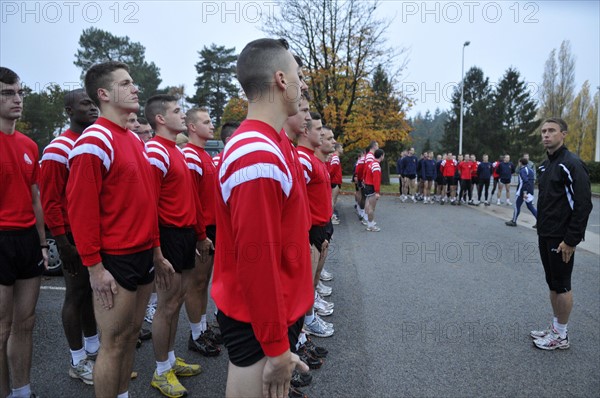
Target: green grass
point(596, 188)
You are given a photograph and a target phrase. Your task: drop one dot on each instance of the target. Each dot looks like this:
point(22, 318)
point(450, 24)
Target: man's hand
point(278, 373)
point(45, 258)
point(163, 269)
point(203, 248)
point(68, 254)
point(103, 284)
point(377, 196)
point(566, 250)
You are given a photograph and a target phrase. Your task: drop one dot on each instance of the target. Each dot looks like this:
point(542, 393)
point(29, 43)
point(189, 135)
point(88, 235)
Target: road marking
point(53, 288)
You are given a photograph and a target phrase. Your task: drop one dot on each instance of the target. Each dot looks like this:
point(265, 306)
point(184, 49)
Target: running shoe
point(511, 223)
point(183, 369)
point(325, 324)
point(168, 384)
point(323, 290)
point(203, 346)
point(326, 276)
point(508, 202)
point(295, 393)
point(540, 334)
point(83, 371)
point(487, 203)
point(309, 359)
point(315, 328)
point(214, 337)
point(552, 341)
point(321, 309)
point(317, 351)
point(320, 299)
point(335, 221)
point(374, 228)
point(150, 311)
point(498, 202)
point(300, 379)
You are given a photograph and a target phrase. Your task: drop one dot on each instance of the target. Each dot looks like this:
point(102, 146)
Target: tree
point(480, 128)
point(235, 110)
point(43, 115)
point(582, 124)
point(516, 113)
point(97, 46)
point(558, 84)
point(342, 43)
point(214, 84)
point(428, 130)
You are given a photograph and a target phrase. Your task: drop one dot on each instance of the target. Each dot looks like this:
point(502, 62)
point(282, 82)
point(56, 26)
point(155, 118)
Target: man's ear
point(280, 80)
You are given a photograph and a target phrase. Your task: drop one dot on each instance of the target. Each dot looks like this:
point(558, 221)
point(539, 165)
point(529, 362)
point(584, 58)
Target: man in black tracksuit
point(564, 206)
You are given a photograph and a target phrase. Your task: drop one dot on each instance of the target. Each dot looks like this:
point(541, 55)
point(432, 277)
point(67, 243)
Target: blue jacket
point(409, 165)
point(506, 170)
point(526, 179)
point(428, 169)
point(484, 171)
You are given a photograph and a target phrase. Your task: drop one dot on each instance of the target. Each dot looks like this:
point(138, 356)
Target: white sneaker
point(498, 202)
point(150, 311)
point(508, 202)
point(83, 371)
point(374, 228)
point(325, 276)
point(327, 325)
point(319, 299)
point(323, 290)
point(321, 308)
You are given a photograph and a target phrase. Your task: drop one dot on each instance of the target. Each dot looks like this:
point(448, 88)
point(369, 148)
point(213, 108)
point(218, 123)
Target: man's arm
point(577, 184)
point(39, 221)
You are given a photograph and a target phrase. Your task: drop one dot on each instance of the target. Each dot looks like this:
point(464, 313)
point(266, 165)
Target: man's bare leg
point(20, 342)
point(196, 297)
point(321, 261)
point(116, 326)
point(6, 316)
point(141, 302)
point(562, 304)
point(168, 303)
point(246, 381)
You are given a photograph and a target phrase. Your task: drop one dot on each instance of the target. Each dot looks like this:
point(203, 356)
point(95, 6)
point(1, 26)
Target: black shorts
point(558, 273)
point(409, 176)
point(450, 181)
point(130, 270)
point(211, 233)
point(369, 190)
point(178, 245)
point(505, 180)
point(239, 339)
point(428, 178)
point(20, 255)
point(317, 235)
point(329, 230)
point(334, 186)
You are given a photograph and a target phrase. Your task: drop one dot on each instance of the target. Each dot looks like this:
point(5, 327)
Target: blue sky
point(39, 39)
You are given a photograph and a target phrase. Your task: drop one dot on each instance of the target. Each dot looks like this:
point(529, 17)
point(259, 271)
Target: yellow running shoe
point(168, 384)
point(183, 369)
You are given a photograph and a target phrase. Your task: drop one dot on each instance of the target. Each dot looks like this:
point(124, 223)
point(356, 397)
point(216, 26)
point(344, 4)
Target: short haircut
point(190, 115)
point(156, 105)
point(326, 127)
point(299, 60)
point(8, 76)
point(315, 115)
point(228, 129)
point(142, 120)
point(72, 96)
point(561, 123)
point(524, 161)
point(371, 145)
point(378, 153)
point(99, 76)
point(257, 63)
point(305, 95)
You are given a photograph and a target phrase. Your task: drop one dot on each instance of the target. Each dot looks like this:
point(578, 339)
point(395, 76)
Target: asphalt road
point(437, 304)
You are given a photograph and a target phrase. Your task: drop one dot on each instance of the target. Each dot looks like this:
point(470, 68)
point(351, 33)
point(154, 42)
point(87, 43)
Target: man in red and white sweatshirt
point(372, 187)
point(448, 168)
point(23, 247)
point(262, 279)
point(335, 174)
point(182, 233)
point(200, 129)
point(114, 233)
point(78, 308)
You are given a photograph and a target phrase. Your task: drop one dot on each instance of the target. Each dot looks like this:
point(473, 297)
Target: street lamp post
point(462, 95)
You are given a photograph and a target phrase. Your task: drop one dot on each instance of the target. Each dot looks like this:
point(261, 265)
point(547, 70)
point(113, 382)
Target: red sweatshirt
point(205, 173)
point(53, 182)
point(318, 187)
point(373, 176)
point(369, 158)
point(178, 200)
point(262, 272)
point(448, 167)
point(360, 166)
point(335, 169)
point(464, 168)
point(19, 170)
point(110, 194)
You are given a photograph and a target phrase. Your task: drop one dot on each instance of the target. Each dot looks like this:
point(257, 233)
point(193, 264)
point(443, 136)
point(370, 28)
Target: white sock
point(302, 338)
point(77, 356)
point(203, 326)
point(172, 358)
point(561, 329)
point(91, 344)
point(162, 367)
point(123, 395)
point(371, 224)
point(153, 299)
point(309, 318)
point(22, 392)
point(196, 330)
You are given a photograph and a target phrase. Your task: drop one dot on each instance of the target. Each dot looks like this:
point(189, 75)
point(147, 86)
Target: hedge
point(594, 168)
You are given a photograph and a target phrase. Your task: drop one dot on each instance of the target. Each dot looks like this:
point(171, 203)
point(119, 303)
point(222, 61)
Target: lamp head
point(466, 43)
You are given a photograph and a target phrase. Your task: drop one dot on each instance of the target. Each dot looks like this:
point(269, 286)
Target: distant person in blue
point(484, 174)
point(505, 170)
point(524, 193)
point(428, 174)
point(409, 175)
point(399, 170)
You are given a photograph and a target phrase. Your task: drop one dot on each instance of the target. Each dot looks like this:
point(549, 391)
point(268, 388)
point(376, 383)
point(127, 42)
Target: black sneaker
point(214, 337)
point(319, 352)
point(300, 379)
point(294, 393)
point(309, 359)
point(511, 223)
point(203, 346)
